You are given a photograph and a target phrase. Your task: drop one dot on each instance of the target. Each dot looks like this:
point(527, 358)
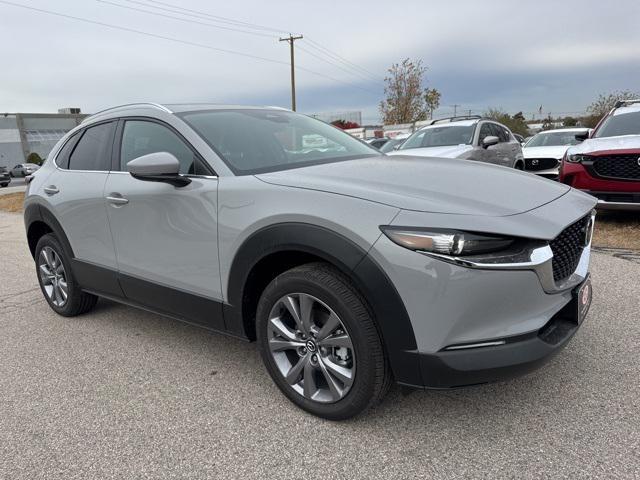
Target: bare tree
point(405, 98)
point(605, 102)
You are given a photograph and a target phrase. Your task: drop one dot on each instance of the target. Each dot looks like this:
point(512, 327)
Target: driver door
point(165, 237)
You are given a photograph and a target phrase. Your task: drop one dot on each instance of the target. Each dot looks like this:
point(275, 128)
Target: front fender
point(368, 277)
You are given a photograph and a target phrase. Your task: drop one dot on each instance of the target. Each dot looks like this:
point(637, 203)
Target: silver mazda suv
point(350, 269)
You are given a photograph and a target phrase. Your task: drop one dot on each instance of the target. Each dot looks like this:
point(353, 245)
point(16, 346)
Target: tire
point(5, 185)
point(76, 301)
point(519, 166)
point(330, 293)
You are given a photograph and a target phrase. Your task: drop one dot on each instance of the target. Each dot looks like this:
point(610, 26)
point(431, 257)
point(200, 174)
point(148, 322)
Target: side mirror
point(490, 140)
point(582, 136)
point(158, 167)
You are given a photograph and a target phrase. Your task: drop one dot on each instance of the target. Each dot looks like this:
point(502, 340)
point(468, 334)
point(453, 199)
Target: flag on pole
point(540, 110)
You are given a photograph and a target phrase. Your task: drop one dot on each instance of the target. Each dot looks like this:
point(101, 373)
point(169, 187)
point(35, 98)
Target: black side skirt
point(187, 307)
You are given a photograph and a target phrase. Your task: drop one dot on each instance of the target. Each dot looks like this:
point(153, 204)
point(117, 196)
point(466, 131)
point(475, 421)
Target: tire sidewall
point(73, 289)
point(363, 386)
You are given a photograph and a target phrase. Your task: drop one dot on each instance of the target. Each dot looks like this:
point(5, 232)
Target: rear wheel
point(320, 344)
point(57, 283)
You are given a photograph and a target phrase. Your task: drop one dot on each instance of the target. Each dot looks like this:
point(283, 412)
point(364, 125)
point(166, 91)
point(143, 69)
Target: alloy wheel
point(53, 276)
point(311, 348)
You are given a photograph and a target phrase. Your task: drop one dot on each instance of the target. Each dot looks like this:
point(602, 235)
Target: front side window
point(440, 137)
point(258, 141)
point(485, 131)
point(141, 137)
point(620, 124)
point(92, 152)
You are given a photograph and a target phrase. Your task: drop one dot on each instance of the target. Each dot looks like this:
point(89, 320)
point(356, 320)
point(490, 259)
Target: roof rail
point(456, 119)
point(626, 103)
point(141, 104)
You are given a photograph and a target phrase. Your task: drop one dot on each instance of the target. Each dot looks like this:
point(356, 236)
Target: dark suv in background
point(5, 178)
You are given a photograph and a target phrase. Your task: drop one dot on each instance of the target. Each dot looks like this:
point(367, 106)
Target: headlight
point(446, 242)
point(576, 158)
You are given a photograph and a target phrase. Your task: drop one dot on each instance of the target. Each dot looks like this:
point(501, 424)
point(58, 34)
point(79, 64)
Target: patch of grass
point(617, 230)
point(12, 202)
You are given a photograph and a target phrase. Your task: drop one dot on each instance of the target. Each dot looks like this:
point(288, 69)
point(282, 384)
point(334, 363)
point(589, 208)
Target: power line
point(310, 42)
point(336, 65)
point(177, 40)
point(184, 19)
point(330, 53)
point(188, 20)
point(200, 14)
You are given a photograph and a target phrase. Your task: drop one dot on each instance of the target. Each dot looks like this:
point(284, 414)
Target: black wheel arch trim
point(36, 212)
point(369, 278)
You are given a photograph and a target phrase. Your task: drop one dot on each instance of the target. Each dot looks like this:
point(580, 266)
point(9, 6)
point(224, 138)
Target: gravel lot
point(121, 393)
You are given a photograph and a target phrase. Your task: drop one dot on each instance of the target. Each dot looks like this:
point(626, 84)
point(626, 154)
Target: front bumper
point(452, 304)
point(517, 356)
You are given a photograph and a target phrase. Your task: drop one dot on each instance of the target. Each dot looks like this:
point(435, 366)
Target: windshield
point(392, 144)
point(621, 124)
point(258, 141)
point(553, 139)
point(440, 137)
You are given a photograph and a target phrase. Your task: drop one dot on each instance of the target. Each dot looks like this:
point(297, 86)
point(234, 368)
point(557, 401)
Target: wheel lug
point(314, 358)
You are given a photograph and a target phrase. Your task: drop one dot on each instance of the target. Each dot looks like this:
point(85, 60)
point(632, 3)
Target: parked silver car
point(350, 269)
point(23, 169)
point(468, 138)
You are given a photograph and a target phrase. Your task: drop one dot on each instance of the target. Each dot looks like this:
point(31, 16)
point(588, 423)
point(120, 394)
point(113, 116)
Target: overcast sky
point(516, 55)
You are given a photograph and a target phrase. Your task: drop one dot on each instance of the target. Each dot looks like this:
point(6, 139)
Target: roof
point(172, 108)
point(572, 129)
point(458, 123)
point(627, 109)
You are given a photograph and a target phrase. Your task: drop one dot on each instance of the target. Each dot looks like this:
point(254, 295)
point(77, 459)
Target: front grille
point(535, 164)
point(567, 248)
point(624, 167)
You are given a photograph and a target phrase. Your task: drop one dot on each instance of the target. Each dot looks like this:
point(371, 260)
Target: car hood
point(556, 152)
point(605, 144)
point(450, 151)
point(433, 185)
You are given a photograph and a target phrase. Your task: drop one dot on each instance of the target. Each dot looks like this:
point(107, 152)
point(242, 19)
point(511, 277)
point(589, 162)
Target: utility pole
point(455, 109)
point(292, 39)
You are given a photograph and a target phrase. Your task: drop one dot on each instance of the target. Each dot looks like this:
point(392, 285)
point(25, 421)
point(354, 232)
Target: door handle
point(51, 190)
point(117, 199)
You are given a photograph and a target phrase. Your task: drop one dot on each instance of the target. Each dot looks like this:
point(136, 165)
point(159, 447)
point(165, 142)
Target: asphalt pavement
point(122, 393)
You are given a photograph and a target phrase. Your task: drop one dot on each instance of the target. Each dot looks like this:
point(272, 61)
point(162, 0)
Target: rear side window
point(62, 159)
point(93, 150)
point(141, 137)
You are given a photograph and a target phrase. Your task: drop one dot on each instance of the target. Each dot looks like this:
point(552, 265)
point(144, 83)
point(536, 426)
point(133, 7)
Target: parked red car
point(607, 163)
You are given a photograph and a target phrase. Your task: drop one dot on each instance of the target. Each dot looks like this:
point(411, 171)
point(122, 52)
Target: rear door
point(75, 193)
point(166, 237)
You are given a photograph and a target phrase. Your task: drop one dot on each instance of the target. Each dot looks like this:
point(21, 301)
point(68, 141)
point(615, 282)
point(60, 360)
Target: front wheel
point(320, 344)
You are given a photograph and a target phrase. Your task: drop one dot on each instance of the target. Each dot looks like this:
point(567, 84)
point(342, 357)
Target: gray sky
point(516, 55)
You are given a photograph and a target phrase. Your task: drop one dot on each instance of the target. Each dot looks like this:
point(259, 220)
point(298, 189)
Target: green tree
point(604, 103)
point(569, 122)
point(406, 100)
point(515, 123)
point(33, 157)
point(431, 100)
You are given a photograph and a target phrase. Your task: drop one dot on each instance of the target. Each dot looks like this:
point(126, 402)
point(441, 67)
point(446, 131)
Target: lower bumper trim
point(514, 357)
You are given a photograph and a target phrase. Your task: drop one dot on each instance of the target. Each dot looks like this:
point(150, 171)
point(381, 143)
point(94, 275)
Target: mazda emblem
point(639, 161)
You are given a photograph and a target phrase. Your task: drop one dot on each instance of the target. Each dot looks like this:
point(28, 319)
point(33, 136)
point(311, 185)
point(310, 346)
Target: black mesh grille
point(618, 166)
point(534, 164)
point(567, 248)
